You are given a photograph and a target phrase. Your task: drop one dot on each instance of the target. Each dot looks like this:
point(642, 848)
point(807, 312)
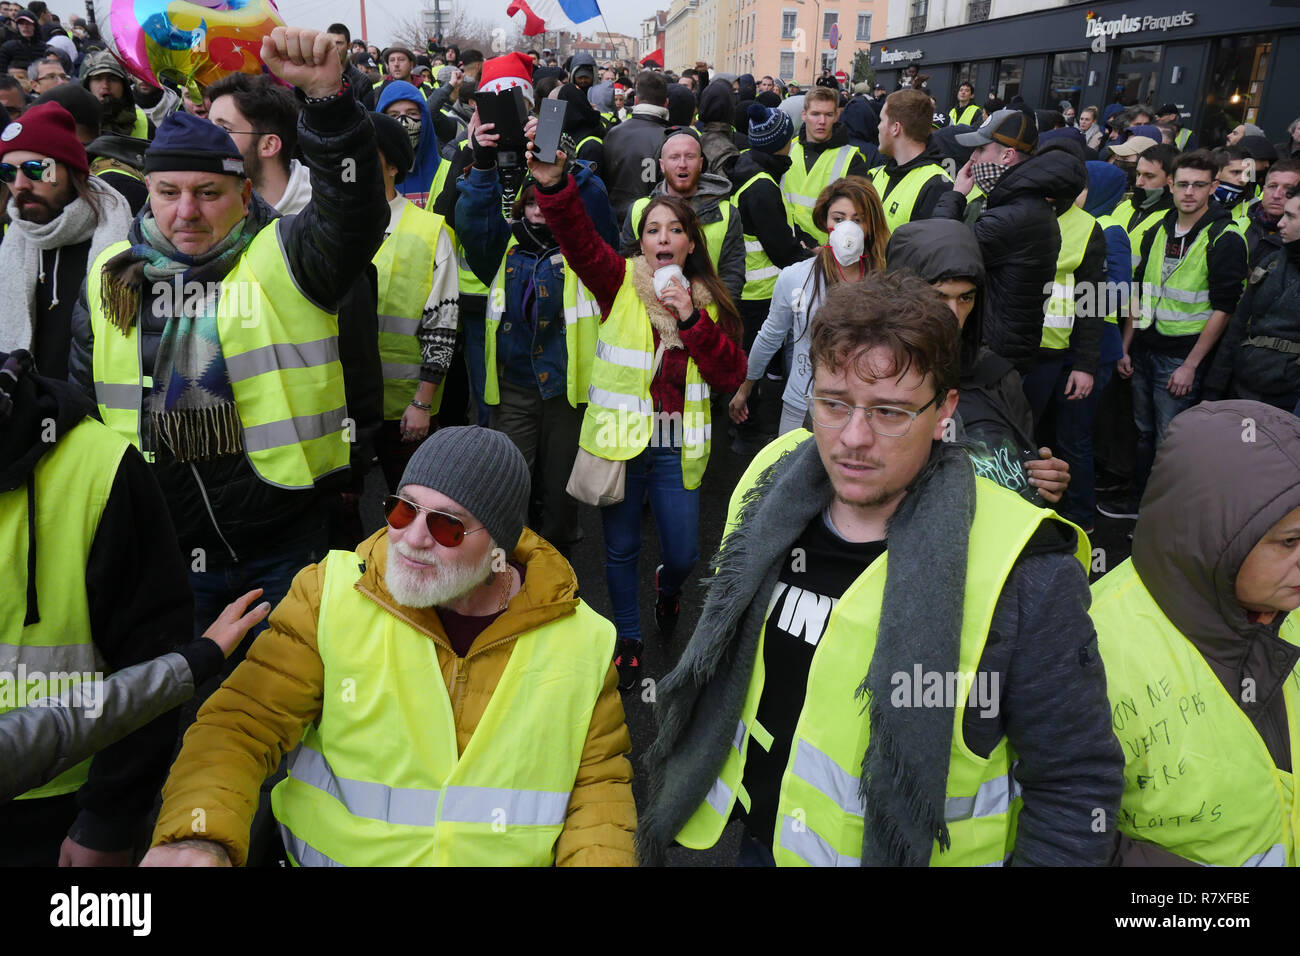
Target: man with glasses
point(445, 697)
point(1191, 271)
point(46, 75)
point(896, 659)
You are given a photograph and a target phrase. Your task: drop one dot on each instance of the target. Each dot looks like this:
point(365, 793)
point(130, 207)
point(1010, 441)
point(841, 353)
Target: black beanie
point(394, 143)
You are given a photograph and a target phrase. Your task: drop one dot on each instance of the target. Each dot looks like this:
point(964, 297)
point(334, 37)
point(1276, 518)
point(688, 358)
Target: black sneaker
point(1119, 508)
point(627, 658)
point(667, 608)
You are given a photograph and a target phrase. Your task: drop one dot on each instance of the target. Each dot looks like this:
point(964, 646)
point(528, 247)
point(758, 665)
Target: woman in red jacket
point(693, 335)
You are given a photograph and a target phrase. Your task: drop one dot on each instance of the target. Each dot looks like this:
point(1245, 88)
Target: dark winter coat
point(630, 169)
point(762, 207)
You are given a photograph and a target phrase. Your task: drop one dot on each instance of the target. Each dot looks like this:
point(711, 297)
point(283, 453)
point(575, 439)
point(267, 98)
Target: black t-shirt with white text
point(819, 569)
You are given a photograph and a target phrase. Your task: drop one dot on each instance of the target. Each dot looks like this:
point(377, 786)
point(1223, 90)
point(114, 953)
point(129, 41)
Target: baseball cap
point(1168, 108)
point(1133, 146)
point(1008, 127)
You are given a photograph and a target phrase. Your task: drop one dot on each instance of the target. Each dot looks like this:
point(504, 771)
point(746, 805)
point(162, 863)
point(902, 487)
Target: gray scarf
point(905, 767)
point(21, 264)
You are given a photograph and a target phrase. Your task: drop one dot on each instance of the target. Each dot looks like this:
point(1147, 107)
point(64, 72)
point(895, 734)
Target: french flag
point(541, 16)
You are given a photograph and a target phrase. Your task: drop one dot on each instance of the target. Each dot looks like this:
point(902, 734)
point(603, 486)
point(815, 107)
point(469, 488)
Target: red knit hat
point(49, 130)
point(503, 72)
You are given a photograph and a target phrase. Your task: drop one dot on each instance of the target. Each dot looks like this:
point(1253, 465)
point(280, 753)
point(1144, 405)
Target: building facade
point(652, 34)
point(681, 35)
point(1221, 64)
point(792, 39)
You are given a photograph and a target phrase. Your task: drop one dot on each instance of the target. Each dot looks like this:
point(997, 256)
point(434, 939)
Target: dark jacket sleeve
point(1089, 323)
point(858, 165)
point(138, 591)
point(330, 242)
point(937, 190)
point(762, 215)
point(1227, 266)
point(721, 361)
point(445, 204)
point(1219, 376)
point(81, 350)
point(363, 370)
point(484, 233)
point(596, 262)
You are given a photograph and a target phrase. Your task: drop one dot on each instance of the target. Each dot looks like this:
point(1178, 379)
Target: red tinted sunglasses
point(448, 530)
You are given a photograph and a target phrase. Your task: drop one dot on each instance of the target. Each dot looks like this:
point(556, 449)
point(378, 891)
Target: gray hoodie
point(713, 190)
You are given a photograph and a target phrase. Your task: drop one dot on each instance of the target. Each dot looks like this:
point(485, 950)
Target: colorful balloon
point(187, 41)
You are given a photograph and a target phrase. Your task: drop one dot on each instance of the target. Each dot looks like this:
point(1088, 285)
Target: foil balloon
point(193, 44)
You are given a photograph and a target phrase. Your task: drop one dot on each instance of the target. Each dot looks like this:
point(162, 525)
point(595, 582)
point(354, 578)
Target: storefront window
point(1068, 72)
point(1236, 80)
point(1009, 74)
point(1138, 77)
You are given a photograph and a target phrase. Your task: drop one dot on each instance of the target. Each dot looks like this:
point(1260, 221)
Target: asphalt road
point(724, 471)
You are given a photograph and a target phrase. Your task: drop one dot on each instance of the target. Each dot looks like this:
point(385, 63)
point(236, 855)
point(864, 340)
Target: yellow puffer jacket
point(259, 714)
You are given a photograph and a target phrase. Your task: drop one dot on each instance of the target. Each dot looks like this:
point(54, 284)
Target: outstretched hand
point(546, 174)
point(305, 58)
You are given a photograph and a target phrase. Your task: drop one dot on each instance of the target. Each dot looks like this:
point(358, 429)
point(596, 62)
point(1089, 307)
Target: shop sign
point(1101, 30)
point(898, 56)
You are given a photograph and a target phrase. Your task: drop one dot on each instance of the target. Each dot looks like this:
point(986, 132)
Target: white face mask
point(847, 240)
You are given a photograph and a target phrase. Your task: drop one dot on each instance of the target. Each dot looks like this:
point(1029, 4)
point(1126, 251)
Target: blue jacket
point(531, 350)
point(417, 183)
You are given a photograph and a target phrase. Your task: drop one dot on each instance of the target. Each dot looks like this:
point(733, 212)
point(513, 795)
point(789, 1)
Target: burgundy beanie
point(49, 130)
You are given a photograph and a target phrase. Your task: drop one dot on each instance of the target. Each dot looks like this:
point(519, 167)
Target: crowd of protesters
point(226, 305)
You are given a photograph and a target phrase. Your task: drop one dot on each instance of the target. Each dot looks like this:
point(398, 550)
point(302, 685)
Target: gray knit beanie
point(482, 471)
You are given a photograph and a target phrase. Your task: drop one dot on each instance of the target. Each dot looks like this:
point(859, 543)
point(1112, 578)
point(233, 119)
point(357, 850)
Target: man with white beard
point(447, 697)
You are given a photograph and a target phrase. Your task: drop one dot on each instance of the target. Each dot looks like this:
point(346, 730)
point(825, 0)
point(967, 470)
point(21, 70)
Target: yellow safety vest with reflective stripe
point(584, 141)
point(760, 272)
point(1241, 212)
point(281, 352)
point(715, 233)
point(45, 658)
point(581, 329)
point(1119, 299)
point(1180, 140)
point(967, 115)
point(620, 421)
point(378, 779)
point(1076, 228)
point(901, 202)
point(819, 820)
point(405, 264)
point(802, 186)
point(1124, 213)
point(1179, 305)
point(105, 164)
point(140, 129)
point(1199, 780)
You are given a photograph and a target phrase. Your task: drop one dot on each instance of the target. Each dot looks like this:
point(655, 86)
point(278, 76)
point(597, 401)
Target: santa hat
point(48, 130)
point(504, 72)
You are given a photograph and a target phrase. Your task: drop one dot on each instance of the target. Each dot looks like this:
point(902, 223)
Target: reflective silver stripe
point(753, 275)
point(269, 358)
point(1273, 856)
point(719, 797)
point(398, 324)
point(754, 246)
point(126, 397)
point(1058, 321)
point(628, 358)
point(537, 808)
point(739, 740)
point(363, 798)
point(1182, 295)
point(304, 854)
point(697, 392)
point(395, 371)
point(798, 200)
point(290, 431)
point(48, 658)
point(992, 797)
point(817, 768)
point(811, 847)
point(615, 401)
point(842, 163)
point(1170, 315)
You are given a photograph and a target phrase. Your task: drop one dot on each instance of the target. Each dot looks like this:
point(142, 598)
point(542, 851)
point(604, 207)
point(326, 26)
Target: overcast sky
point(623, 16)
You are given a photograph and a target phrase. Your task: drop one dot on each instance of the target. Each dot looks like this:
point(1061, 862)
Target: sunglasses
point(448, 530)
point(33, 169)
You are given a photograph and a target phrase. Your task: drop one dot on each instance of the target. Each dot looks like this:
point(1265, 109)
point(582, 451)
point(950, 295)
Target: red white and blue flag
point(542, 16)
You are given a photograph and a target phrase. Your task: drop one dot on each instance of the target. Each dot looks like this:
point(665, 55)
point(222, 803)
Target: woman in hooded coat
point(406, 104)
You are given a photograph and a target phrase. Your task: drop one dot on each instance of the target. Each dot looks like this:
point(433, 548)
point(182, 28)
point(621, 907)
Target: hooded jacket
point(861, 124)
point(581, 121)
point(277, 692)
point(122, 122)
point(221, 505)
point(1020, 242)
point(1189, 565)
point(717, 135)
point(713, 190)
point(137, 590)
point(21, 51)
point(762, 207)
point(937, 200)
point(746, 94)
point(992, 411)
point(419, 180)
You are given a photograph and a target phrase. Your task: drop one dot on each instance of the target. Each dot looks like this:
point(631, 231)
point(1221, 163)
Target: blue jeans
point(475, 329)
point(1154, 408)
point(753, 852)
point(1074, 423)
point(677, 519)
point(271, 570)
point(1040, 382)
